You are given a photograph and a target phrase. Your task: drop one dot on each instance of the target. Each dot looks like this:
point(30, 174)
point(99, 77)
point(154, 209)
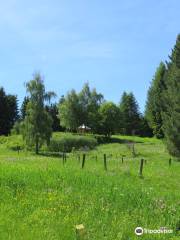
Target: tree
point(90, 102)
point(154, 104)
point(131, 117)
point(24, 107)
point(37, 125)
point(12, 111)
point(3, 113)
point(70, 112)
point(144, 129)
point(53, 111)
point(171, 101)
point(8, 112)
point(16, 130)
point(109, 113)
point(77, 109)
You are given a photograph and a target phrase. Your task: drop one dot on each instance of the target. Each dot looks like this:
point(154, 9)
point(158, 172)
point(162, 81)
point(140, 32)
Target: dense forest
point(37, 117)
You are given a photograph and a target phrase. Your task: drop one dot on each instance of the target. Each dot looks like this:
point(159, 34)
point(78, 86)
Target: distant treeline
point(86, 107)
point(161, 118)
point(8, 112)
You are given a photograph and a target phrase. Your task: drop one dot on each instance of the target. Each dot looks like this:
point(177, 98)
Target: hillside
point(42, 198)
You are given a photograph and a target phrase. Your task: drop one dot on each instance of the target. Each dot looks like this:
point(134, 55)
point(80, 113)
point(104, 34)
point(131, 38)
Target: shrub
point(67, 143)
point(16, 130)
point(12, 142)
point(3, 139)
point(101, 139)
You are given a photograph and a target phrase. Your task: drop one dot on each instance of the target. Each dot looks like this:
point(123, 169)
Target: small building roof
point(84, 127)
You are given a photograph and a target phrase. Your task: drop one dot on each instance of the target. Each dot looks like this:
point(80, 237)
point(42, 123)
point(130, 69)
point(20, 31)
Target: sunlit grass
point(43, 199)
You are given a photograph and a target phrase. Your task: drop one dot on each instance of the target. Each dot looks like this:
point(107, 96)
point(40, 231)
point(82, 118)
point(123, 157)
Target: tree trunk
point(37, 145)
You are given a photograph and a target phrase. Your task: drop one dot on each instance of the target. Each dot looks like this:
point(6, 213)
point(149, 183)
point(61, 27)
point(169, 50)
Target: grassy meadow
point(42, 198)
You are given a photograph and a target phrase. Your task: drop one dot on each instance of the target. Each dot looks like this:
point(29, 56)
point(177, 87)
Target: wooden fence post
point(79, 158)
point(170, 161)
point(141, 167)
point(63, 158)
point(105, 162)
point(18, 149)
point(83, 161)
point(123, 158)
point(133, 150)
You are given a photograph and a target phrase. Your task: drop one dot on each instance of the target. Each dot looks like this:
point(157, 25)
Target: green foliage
point(77, 109)
point(109, 115)
point(131, 117)
point(53, 112)
point(43, 199)
point(171, 97)
point(144, 128)
point(37, 125)
point(8, 112)
point(14, 142)
point(154, 104)
point(16, 130)
point(24, 107)
point(101, 139)
point(90, 102)
point(3, 139)
point(70, 142)
point(69, 111)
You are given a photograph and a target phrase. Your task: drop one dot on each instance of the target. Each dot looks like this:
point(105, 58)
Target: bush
point(101, 139)
point(67, 143)
point(12, 142)
point(16, 130)
point(3, 139)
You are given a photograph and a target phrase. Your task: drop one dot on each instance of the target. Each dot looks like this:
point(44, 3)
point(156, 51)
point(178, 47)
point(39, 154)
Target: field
point(42, 198)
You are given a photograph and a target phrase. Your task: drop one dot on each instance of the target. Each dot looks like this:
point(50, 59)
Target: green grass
point(43, 199)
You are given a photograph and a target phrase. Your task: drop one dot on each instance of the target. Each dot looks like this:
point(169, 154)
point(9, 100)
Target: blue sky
point(114, 45)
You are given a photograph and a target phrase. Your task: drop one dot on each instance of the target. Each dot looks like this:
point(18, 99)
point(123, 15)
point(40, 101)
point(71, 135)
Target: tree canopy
point(80, 108)
point(8, 112)
point(171, 102)
point(131, 118)
point(154, 103)
point(37, 125)
point(109, 118)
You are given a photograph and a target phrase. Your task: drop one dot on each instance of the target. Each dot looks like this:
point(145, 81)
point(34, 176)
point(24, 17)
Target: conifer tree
point(8, 112)
point(131, 117)
point(171, 103)
point(52, 109)
point(154, 106)
point(24, 107)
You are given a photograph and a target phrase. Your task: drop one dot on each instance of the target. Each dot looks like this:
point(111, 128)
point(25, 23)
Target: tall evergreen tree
point(37, 125)
point(8, 112)
point(171, 96)
point(53, 111)
point(131, 118)
point(24, 107)
point(13, 114)
point(154, 106)
point(144, 129)
point(3, 112)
